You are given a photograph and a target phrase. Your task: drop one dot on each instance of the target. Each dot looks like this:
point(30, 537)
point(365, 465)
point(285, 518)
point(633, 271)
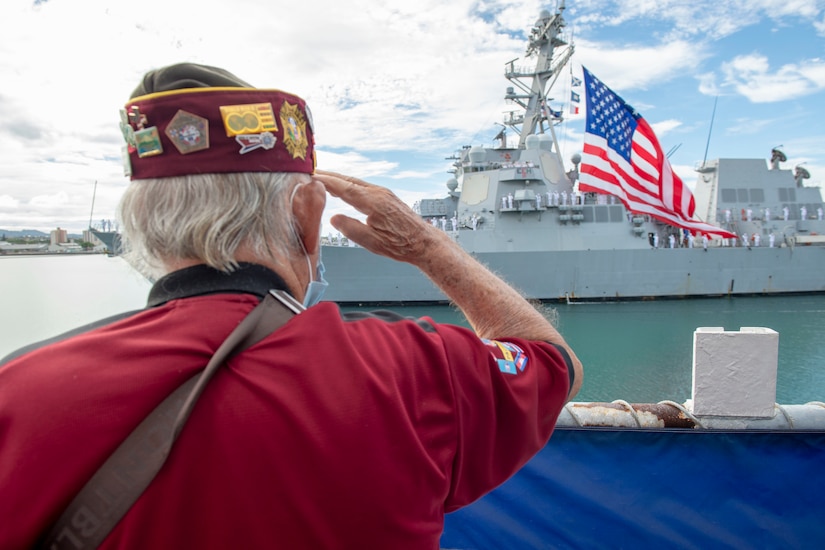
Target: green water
point(637, 351)
point(642, 351)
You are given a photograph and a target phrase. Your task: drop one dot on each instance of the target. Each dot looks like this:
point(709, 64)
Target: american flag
point(622, 157)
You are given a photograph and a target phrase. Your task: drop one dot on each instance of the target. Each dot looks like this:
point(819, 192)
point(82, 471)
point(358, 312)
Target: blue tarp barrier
point(641, 488)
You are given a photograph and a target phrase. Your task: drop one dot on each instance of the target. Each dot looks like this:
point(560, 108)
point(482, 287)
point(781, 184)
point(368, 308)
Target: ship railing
point(523, 71)
point(733, 388)
point(670, 414)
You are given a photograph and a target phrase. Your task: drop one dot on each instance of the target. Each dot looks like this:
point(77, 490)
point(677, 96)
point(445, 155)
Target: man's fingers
point(353, 191)
point(349, 179)
point(350, 227)
point(342, 222)
point(334, 183)
point(343, 188)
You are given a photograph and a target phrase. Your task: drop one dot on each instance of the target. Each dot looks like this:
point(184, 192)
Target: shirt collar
point(201, 279)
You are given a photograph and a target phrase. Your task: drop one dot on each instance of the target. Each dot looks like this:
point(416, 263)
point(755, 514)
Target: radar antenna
point(502, 136)
point(777, 156)
point(800, 174)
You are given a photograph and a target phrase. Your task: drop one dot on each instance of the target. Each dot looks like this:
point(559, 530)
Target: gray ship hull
point(357, 276)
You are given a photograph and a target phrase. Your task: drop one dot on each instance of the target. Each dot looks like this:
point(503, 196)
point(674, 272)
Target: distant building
point(59, 236)
point(68, 247)
point(7, 248)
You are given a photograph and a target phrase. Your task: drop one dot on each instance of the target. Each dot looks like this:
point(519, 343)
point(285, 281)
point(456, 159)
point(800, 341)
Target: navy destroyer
point(520, 212)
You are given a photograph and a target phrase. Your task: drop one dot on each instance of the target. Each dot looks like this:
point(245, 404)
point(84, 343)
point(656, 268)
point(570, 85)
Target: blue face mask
point(315, 289)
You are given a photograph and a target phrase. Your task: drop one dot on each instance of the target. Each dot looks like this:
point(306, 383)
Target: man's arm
point(392, 229)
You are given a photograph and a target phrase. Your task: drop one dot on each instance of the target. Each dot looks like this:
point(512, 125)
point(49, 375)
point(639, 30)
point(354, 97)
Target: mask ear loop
point(297, 236)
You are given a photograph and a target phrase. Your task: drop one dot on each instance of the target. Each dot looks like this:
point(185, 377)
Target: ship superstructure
point(518, 209)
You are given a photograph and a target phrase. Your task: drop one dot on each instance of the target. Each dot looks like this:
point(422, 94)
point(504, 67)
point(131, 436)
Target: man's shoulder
point(388, 317)
point(95, 325)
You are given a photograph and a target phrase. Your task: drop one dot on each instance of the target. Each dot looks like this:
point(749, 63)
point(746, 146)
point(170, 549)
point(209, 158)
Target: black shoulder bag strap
point(112, 490)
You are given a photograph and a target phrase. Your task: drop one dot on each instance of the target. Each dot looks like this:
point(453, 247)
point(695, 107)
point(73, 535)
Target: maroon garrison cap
point(195, 119)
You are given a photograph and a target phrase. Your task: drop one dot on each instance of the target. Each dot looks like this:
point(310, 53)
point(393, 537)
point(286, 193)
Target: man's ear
point(307, 209)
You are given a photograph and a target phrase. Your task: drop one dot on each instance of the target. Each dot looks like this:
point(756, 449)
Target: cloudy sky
point(396, 86)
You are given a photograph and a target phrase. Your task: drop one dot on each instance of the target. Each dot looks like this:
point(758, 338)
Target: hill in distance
point(23, 233)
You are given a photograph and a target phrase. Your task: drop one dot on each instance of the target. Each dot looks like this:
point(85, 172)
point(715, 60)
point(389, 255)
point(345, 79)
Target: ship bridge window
point(601, 214)
point(742, 195)
point(587, 212)
point(787, 194)
point(757, 195)
point(728, 195)
point(616, 213)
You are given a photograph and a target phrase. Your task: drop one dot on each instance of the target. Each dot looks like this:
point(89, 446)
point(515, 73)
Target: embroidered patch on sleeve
point(510, 358)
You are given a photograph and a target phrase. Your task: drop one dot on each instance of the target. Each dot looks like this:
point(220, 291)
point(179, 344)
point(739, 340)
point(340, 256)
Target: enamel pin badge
point(254, 118)
point(295, 134)
point(250, 142)
point(188, 133)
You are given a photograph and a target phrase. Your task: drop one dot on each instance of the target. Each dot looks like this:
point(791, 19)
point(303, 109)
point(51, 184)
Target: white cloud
point(750, 76)
point(819, 25)
point(48, 202)
point(7, 202)
point(389, 82)
point(708, 84)
point(638, 66)
point(353, 163)
point(750, 126)
point(703, 18)
point(663, 127)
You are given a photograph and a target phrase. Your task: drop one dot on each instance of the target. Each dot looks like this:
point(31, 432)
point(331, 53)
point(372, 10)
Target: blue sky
point(397, 86)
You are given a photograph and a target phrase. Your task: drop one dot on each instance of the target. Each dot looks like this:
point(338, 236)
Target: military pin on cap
point(188, 133)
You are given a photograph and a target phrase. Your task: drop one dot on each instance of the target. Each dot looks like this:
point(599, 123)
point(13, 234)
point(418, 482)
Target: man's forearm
point(493, 308)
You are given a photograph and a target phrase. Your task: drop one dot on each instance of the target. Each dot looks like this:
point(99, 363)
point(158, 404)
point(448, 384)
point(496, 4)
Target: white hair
point(208, 218)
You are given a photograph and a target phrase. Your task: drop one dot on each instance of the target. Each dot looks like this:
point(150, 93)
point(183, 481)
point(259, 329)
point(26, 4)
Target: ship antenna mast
point(94, 193)
point(707, 145)
point(545, 38)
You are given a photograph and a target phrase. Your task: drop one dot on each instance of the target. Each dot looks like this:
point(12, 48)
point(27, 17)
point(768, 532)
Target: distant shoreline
point(29, 254)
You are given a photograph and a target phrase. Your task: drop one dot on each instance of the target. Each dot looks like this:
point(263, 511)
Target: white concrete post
point(734, 373)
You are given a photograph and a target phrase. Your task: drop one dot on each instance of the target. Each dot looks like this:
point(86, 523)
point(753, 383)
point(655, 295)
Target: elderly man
point(335, 430)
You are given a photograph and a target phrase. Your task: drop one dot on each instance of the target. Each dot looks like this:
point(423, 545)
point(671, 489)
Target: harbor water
point(637, 351)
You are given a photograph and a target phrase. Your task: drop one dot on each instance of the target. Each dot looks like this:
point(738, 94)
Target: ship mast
point(545, 38)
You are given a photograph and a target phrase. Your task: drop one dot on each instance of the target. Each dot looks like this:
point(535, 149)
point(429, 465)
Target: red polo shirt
point(337, 431)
